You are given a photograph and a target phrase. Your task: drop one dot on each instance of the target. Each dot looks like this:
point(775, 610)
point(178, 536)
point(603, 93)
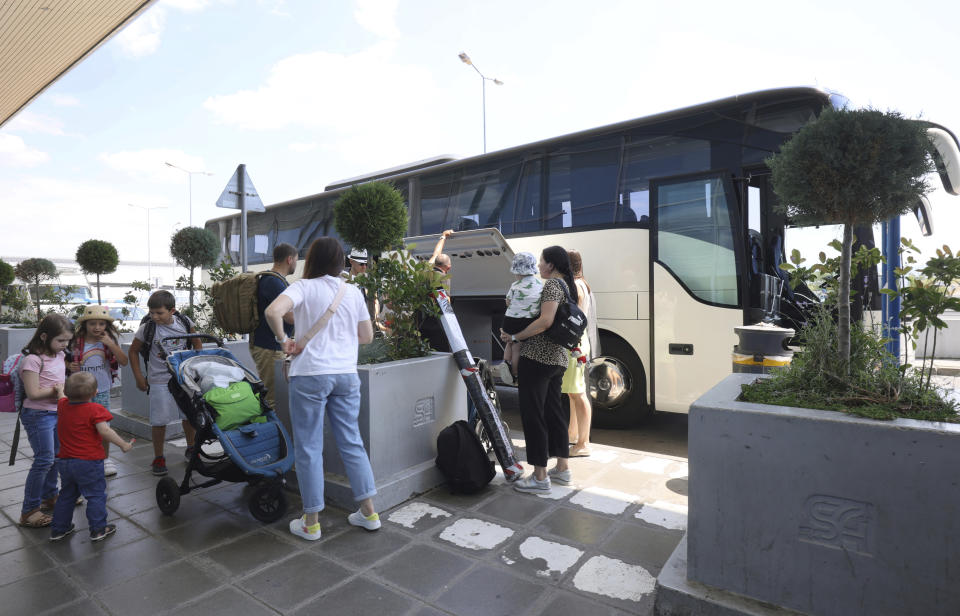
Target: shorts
point(515, 325)
point(163, 408)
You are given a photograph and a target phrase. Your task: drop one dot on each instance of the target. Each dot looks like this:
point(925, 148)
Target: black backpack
point(462, 460)
point(151, 331)
point(568, 324)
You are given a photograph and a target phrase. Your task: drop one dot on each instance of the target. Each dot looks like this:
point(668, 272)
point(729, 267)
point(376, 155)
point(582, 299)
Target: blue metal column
point(892, 250)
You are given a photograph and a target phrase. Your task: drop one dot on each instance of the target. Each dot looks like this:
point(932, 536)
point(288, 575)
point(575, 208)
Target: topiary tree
point(7, 276)
point(852, 167)
point(35, 271)
point(97, 257)
point(371, 216)
point(193, 247)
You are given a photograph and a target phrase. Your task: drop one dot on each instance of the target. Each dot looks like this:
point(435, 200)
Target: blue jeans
point(41, 427)
point(80, 477)
point(102, 398)
point(337, 395)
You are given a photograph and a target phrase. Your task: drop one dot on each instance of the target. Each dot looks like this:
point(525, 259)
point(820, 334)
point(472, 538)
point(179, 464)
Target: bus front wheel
point(617, 385)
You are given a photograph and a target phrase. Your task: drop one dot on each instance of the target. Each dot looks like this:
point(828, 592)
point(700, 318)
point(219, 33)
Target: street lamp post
point(190, 175)
point(147, 208)
point(483, 81)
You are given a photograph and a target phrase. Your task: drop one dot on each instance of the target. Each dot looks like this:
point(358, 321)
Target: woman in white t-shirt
point(323, 380)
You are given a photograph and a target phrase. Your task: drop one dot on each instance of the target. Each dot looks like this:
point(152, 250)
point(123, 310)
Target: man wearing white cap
point(358, 265)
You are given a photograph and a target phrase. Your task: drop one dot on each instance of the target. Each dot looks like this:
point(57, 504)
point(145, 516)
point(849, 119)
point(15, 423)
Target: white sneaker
point(533, 485)
point(371, 522)
point(299, 528)
point(563, 478)
point(109, 468)
point(503, 371)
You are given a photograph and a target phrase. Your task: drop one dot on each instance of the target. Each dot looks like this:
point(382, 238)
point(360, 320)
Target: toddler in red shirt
point(81, 428)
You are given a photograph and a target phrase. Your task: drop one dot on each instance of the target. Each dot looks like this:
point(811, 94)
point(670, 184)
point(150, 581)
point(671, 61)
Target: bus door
point(695, 301)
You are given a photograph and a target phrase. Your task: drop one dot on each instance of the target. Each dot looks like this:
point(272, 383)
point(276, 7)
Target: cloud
point(142, 37)
point(15, 153)
point(187, 6)
point(64, 100)
point(302, 147)
point(378, 17)
point(150, 164)
point(29, 122)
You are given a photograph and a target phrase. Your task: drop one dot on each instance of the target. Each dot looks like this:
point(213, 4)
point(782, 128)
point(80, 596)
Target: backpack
point(235, 302)
point(151, 331)
point(11, 387)
point(569, 323)
point(462, 459)
point(12, 395)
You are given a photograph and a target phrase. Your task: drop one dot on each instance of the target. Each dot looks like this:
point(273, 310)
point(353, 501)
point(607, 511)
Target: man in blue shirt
point(263, 346)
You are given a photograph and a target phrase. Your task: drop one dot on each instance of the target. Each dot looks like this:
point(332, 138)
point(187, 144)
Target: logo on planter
point(838, 523)
point(423, 412)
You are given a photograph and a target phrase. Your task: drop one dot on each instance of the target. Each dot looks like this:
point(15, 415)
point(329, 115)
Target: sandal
point(47, 504)
point(35, 519)
point(103, 533)
point(579, 452)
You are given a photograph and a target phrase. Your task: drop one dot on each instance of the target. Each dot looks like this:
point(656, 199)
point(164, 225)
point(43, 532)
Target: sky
point(306, 92)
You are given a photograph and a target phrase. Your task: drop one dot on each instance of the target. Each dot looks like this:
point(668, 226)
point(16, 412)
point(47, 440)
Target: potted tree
point(97, 257)
point(408, 394)
point(820, 511)
point(35, 271)
point(193, 247)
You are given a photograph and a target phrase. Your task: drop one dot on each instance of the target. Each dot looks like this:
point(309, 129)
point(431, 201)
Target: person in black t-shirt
point(264, 348)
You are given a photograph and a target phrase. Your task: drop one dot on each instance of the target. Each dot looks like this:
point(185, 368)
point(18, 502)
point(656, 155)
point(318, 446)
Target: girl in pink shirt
point(43, 373)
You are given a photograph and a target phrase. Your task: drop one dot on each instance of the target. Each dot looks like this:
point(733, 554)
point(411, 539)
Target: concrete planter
point(134, 414)
point(403, 406)
point(815, 511)
point(12, 339)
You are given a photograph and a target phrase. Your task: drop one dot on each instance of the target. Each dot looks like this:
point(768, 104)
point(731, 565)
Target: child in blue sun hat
point(523, 308)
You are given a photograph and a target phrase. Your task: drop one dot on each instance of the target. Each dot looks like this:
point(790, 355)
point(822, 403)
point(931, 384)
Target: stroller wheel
point(268, 503)
point(168, 496)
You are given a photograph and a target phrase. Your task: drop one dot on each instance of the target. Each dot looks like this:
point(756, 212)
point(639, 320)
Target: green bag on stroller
point(235, 405)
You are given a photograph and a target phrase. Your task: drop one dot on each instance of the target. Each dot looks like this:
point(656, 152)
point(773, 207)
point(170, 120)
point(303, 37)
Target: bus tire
point(617, 385)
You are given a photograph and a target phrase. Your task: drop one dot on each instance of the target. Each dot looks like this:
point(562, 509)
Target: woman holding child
point(541, 367)
point(323, 380)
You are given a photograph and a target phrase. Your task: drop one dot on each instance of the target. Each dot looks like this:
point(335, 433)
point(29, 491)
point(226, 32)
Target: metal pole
point(242, 202)
point(892, 248)
point(149, 270)
point(483, 80)
point(190, 198)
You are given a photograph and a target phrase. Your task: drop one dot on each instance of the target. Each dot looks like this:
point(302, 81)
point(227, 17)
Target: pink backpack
point(11, 387)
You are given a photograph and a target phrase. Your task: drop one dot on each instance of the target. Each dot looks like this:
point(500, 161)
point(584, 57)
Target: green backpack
point(235, 302)
point(235, 405)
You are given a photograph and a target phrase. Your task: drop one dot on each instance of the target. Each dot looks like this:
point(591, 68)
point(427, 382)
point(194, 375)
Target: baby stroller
point(256, 453)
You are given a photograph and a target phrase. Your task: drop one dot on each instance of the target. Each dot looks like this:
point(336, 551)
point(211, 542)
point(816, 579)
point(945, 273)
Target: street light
point(483, 80)
point(190, 175)
point(144, 207)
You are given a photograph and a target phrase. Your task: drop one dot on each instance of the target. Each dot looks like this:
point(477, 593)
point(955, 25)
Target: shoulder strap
point(325, 318)
point(16, 360)
point(273, 273)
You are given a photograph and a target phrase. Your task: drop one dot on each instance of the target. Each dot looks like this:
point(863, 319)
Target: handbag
point(319, 325)
point(569, 323)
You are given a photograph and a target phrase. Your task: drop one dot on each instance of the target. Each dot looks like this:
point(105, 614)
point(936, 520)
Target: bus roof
point(439, 162)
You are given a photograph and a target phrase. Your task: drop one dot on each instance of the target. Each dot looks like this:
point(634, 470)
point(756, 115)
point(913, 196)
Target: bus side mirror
point(946, 155)
point(924, 213)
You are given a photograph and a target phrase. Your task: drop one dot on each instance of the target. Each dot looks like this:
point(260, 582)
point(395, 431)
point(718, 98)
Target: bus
point(673, 214)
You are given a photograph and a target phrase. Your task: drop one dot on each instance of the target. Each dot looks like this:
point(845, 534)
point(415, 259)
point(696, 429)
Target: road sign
point(229, 196)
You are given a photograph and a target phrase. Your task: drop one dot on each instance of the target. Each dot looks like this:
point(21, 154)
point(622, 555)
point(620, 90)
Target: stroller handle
point(209, 337)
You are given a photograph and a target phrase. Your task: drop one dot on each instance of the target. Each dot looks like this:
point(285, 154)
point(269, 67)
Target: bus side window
point(582, 188)
point(527, 211)
point(485, 197)
point(435, 191)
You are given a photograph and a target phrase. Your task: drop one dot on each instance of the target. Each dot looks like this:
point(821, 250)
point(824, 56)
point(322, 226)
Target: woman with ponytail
point(541, 367)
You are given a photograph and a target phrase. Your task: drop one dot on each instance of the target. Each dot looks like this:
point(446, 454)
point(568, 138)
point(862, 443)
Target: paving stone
point(358, 596)
point(36, 593)
point(85, 607)
point(250, 552)
point(446, 499)
point(627, 586)
point(539, 558)
point(417, 516)
point(426, 610)
point(190, 510)
point(15, 479)
point(163, 589)
point(134, 502)
point(22, 563)
point(643, 544)
point(122, 485)
point(207, 532)
point(78, 545)
point(679, 486)
point(11, 496)
point(576, 525)
point(116, 564)
point(490, 592)
point(361, 548)
point(13, 537)
point(293, 581)
point(562, 603)
point(227, 602)
point(515, 508)
point(422, 569)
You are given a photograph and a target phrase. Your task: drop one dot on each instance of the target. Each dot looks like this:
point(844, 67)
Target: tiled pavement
point(595, 548)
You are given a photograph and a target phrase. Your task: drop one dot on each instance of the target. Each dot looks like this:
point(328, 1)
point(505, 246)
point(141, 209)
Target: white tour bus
point(672, 213)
